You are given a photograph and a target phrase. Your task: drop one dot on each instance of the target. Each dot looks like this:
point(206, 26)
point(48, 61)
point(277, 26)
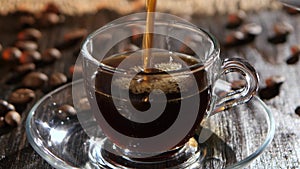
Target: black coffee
point(141, 85)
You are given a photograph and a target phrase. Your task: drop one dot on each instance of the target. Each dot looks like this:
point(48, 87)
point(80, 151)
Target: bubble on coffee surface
point(148, 83)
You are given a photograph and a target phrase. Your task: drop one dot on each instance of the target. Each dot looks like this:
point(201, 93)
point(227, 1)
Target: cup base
point(104, 154)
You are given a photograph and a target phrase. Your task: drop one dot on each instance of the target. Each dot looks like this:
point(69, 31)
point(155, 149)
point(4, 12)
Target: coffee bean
point(3, 107)
point(281, 30)
point(297, 110)
point(75, 35)
point(50, 55)
point(251, 29)
point(65, 111)
point(236, 38)
point(13, 118)
point(30, 34)
point(25, 68)
point(30, 57)
point(269, 92)
point(35, 80)
point(21, 96)
point(295, 49)
point(235, 20)
point(57, 79)
point(2, 121)
point(10, 107)
point(274, 80)
point(272, 88)
point(48, 19)
point(27, 21)
point(293, 59)
point(11, 54)
point(26, 45)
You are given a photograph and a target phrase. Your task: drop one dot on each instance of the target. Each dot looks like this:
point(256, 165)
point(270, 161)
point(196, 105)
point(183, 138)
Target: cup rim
point(212, 56)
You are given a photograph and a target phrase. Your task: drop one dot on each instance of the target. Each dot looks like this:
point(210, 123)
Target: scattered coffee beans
point(235, 20)
point(21, 96)
point(65, 111)
point(272, 88)
point(11, 54)
point(13, 118)
point(35, 80)
point(57, 79)
point(26, 45)
point(30, 34)
point(245, 35)
point(30, 57)
point(50, 55)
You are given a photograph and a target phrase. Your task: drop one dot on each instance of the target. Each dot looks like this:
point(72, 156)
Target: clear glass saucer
point(231, 139)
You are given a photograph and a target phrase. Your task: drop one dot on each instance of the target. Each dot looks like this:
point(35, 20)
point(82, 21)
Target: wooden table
point(268, 59)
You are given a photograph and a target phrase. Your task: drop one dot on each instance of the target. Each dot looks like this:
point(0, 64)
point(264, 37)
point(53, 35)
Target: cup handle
point(242, 95)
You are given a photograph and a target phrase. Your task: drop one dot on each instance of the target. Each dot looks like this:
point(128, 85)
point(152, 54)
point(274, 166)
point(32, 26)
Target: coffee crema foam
point(148, 83)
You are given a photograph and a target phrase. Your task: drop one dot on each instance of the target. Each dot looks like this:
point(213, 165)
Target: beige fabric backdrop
point(77, 7)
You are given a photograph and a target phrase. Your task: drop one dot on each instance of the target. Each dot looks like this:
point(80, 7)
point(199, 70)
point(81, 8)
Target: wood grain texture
point(284, 151)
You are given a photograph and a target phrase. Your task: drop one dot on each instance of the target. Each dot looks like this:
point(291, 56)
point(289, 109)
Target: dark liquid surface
point(120, 117)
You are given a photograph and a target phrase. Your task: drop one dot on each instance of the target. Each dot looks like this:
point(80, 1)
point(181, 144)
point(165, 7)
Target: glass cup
point(150, 112)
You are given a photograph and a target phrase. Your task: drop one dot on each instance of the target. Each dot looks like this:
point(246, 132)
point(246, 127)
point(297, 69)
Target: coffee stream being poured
point(148, 35)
